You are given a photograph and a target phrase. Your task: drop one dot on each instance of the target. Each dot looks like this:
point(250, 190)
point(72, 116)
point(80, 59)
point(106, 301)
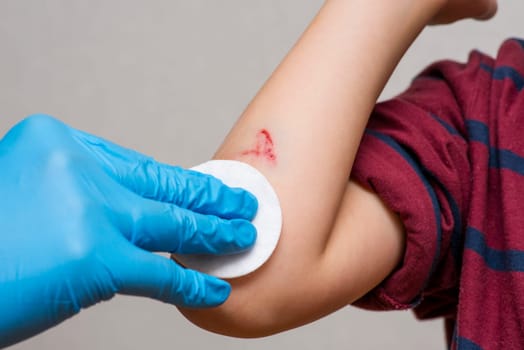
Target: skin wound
point(264, 147)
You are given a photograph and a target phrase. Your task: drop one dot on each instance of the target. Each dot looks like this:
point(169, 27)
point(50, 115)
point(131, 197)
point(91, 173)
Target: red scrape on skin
point(264, 147)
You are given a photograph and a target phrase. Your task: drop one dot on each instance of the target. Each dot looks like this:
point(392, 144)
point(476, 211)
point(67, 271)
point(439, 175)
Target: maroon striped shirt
point(448, 156)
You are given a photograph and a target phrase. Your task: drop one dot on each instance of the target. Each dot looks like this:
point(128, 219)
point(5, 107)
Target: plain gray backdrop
point(169, 78)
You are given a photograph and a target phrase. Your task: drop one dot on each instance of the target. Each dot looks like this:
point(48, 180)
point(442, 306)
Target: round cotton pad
point(268, 222)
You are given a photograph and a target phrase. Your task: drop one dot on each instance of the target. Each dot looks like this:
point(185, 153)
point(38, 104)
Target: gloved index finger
point(162, 182)
point(163, 227)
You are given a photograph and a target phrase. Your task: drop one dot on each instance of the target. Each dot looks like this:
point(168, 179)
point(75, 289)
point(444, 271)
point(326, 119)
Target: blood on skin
point(264, 147)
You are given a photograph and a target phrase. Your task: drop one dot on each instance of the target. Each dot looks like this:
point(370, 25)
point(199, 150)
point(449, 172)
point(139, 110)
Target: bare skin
point(454, 10)
point(338, 240)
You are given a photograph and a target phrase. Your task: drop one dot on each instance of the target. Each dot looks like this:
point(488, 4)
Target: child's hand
point(454, 10)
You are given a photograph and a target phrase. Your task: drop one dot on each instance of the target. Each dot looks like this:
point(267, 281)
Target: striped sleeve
point(414, 155)
point(492, 280)
point(448, 157)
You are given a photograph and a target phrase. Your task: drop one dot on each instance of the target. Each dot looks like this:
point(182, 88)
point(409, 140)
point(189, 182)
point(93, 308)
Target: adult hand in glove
point(80, 218)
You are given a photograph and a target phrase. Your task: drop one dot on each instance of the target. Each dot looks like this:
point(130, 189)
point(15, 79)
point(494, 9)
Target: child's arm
point(338, 240)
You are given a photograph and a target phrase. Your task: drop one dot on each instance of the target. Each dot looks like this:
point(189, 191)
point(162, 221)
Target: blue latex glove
point(80, 216)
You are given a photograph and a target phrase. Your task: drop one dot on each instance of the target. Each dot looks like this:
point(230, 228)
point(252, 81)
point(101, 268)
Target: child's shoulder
point(508, 65)
point(512, 48)
point(475, 86)
point(508, 61)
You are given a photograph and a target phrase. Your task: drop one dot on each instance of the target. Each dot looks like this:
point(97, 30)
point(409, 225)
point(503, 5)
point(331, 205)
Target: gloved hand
point(80, 216)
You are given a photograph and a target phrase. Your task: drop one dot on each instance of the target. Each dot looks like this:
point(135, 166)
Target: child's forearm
point(302, 131)
point(315, 106)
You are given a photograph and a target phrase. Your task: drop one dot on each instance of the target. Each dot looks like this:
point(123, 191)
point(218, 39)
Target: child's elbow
point(239, 321)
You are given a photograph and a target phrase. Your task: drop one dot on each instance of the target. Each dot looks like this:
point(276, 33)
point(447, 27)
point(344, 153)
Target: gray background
point(169, 78)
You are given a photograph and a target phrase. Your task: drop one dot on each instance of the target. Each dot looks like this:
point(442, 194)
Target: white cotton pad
point(268, 222)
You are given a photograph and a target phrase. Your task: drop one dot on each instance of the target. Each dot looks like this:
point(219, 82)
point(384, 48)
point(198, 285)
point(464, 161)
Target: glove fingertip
point(251, 206)
point(217, 292)
point(248, 204)
point(247, 234)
